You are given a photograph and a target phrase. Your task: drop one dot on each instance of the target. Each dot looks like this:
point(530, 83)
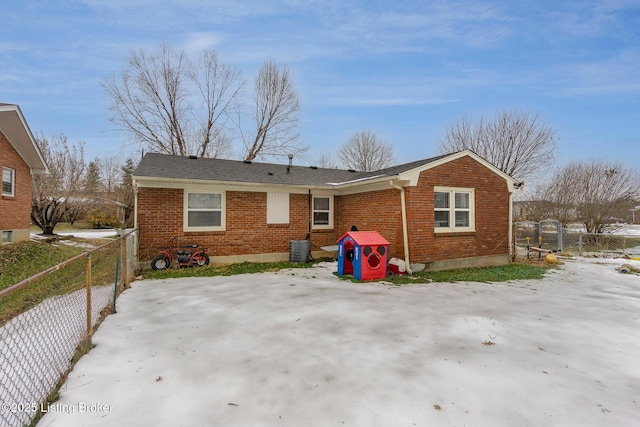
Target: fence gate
point(551, 232)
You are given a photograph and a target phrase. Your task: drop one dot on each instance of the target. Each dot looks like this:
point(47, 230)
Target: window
point(277, 208)
point(7, 236)
point(454, 209)
point(204, 211)
point(322, 212)
point(8, 181)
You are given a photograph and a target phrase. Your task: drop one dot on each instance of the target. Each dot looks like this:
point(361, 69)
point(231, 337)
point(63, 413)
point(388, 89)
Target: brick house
point(20, 158)
point(446, 211)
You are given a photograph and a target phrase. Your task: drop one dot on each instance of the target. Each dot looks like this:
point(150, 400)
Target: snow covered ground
point(90, 234)
point(301, 347)
point(630, 230)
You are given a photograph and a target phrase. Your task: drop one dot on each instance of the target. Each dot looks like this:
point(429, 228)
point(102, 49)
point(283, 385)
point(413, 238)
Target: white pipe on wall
point(405, 231)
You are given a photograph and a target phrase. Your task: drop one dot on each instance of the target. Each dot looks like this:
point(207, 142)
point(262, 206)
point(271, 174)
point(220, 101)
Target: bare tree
point(326, 161)
point(365, 151)
point(275, 115)
point(125, 193)
point(110, 172)
point(596, 194)
point(172, 105)
point(516, 142)
point(60, 194)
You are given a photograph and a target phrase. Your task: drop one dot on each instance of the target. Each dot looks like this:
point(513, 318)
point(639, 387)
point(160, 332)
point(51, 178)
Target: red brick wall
point(15, 211)
point(380, 211)
point(491, 213)
point(160, 216)
point(373, 211)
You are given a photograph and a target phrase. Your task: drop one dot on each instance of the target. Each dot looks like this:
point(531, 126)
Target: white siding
point(277, 208)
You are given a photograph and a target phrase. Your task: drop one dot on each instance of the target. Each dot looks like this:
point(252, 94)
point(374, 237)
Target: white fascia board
point(15, 128)
point(381, 183)
point(191, 184)
point(354, 181)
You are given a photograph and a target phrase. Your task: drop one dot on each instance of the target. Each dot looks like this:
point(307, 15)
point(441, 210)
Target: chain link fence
point(605, 245)
point(59, 309)
point(550, 235)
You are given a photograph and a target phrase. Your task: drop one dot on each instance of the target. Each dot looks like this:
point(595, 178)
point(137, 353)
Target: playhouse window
point(8, 182)
point(454, 209)
point(204, 211)
point(322, 212)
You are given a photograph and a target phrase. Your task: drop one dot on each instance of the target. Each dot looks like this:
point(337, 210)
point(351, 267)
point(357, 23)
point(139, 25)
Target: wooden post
point(88, 279)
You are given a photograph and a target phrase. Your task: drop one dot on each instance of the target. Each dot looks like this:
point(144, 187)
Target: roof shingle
point(155, 165)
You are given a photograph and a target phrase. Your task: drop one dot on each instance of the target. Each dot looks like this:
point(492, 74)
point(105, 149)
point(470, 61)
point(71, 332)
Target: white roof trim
point(355, 181)
point(16, 130)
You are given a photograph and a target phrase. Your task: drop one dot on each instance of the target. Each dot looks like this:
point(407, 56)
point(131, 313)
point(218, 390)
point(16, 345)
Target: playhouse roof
point(365, 238)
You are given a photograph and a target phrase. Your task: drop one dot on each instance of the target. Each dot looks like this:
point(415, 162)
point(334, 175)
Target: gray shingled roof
point(154, 165)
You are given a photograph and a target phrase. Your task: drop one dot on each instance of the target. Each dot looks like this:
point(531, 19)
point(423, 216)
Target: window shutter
point(277, 208)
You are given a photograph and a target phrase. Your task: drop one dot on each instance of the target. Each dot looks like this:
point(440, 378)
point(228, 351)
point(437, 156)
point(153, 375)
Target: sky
point(404, 70)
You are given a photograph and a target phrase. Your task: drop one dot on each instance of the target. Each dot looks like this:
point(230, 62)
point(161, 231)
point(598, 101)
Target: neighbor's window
point(204, 211)
point(7, 236)
point(454, 209)
point(8, 181)
point(322, 212)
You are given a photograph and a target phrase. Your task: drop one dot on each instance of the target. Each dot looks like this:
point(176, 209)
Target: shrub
point(103, 220)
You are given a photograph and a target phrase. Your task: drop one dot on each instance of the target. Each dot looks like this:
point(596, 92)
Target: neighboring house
point(20, 158)
point(447, 211)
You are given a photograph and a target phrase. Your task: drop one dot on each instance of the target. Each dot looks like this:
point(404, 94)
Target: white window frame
point(313, 211)
point(6, 237)
point(12, 172)
point(452, 210)
point(221, 227)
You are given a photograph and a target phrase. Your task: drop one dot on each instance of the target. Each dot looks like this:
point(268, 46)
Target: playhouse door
point(348, 258)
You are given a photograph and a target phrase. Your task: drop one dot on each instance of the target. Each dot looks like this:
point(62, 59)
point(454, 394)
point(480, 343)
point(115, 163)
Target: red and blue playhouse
point(363, 254)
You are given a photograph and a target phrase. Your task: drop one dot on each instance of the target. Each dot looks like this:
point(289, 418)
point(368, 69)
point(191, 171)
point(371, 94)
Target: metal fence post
point(125, 266)
point(88, 279)
point(560, 237)
point(580, 244)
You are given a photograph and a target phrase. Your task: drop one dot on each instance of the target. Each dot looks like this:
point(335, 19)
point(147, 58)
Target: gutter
point(134, 185)
point(405, 232)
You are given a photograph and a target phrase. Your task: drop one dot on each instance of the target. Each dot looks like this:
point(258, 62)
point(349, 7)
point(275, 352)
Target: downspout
point(511, 254)
point(516, 186)
point(405, 232)
point(134, 184)
point(309, 201)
